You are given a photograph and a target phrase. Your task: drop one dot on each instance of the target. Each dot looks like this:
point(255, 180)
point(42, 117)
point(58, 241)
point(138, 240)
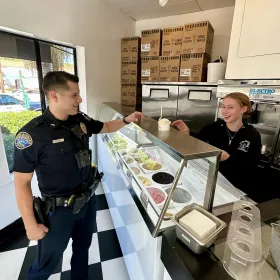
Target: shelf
point(181, 83)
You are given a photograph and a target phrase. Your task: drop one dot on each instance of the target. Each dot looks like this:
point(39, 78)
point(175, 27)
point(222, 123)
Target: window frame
point(39, 61)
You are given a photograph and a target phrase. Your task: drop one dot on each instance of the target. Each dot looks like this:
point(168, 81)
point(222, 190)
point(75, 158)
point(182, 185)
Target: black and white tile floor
point(105, 256)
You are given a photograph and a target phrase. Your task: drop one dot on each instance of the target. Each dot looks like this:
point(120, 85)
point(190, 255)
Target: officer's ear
point(53, 95)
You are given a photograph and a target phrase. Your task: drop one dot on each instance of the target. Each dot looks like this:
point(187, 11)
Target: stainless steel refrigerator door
point(155, 96)
point(197, 106)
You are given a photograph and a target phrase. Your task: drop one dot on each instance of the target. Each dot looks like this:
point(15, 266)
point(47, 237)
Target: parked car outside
point(9, 103)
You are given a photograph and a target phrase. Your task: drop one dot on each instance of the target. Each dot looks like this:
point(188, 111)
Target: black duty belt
point(64, 201)
point(42, 207)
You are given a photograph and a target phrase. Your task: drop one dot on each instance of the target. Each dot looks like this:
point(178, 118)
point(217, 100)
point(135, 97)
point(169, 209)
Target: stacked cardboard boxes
point(196, 51)
point(169, 68)
point(131, 94)
point(150, 52)
point(193, 67)
point(170, 55)
point(171, 51)
point(172, 41)
point(130, 48)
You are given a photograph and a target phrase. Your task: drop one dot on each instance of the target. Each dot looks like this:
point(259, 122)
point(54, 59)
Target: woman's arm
point(203, 134)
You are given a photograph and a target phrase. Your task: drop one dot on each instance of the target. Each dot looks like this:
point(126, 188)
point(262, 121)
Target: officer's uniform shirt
point(244, 151)
point(49, 147)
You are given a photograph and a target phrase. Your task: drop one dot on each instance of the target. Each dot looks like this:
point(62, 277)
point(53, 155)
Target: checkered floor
point(105, 256)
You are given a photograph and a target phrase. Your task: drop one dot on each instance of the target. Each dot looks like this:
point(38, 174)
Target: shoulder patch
point(23, 140)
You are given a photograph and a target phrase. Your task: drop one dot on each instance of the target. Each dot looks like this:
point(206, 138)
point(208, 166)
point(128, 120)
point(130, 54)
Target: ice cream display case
point(164, 170)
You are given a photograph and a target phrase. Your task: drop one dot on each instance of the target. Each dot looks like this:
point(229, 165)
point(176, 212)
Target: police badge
point(83, 128)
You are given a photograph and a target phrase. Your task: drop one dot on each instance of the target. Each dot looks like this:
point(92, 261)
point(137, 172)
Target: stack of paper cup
point(164, 124)
point(216, 72)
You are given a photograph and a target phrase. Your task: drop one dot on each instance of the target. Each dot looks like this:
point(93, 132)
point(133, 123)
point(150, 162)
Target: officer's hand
point(134, 117)
point(224, 156)
point(181, 126)
point(36, 232)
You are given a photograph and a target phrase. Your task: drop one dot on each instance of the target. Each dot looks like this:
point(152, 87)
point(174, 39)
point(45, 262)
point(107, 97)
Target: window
point(57, 58)
point(23, 64)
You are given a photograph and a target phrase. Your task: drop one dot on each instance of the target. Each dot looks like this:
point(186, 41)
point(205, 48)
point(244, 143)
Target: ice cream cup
point(164, 125)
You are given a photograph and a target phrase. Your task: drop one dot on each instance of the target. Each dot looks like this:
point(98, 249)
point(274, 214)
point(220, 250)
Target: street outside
point(20, 100)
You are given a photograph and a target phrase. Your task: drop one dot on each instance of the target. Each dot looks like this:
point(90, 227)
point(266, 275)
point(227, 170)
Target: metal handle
point(159, 99)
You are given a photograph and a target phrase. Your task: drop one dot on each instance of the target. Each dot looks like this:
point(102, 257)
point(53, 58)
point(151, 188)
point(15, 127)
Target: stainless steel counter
point(185, 146)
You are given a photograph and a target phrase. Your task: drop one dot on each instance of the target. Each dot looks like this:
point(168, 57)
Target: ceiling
point(148, 9)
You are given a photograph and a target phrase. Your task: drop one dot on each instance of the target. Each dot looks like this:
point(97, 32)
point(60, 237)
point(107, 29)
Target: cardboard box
point(151, 42)
point(169, 68)
point(130, 48)
point(150, 69)
point(193, 68)
point(130, 72)
point(172, 41)
point(198, 38)
point(131, 92)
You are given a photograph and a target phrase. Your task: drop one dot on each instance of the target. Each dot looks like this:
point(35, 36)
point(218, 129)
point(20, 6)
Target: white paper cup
point(163, 134)
point(163, 127)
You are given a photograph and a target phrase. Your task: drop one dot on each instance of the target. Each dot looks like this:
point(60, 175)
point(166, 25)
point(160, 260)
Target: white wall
point(92, 24)
point(221, 20)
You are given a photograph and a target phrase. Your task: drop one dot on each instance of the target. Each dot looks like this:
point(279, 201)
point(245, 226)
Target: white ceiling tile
point(214, 4)
point(169, 10)
point(135, 5)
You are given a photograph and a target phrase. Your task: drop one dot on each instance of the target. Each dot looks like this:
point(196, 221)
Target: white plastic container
point(216, 72)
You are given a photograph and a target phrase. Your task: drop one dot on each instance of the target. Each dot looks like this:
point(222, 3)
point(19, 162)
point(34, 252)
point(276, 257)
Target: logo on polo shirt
point(244, 146)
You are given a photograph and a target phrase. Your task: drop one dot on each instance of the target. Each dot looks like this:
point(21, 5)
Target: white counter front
point(140, 250)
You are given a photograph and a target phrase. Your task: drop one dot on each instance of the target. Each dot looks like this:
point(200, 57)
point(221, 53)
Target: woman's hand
point(181, 126)
point(224, 156)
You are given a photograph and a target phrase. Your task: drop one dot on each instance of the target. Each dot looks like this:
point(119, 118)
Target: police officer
point(56, 146)
point(240, 142)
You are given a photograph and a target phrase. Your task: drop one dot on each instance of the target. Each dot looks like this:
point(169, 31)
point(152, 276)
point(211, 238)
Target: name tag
point(58, 141)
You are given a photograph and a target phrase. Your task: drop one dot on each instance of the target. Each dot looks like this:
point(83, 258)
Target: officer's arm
point(116, 125)
point(96, 127)
point(112, 126)
point(24, 198)
point(26, 156)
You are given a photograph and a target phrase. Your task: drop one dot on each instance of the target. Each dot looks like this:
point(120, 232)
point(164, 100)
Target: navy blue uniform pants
point(64, 225)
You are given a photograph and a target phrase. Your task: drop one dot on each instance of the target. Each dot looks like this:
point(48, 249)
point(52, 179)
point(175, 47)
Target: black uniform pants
point(62, 226)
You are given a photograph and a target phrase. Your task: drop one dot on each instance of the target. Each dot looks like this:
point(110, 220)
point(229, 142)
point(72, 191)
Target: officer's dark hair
point(56, 80)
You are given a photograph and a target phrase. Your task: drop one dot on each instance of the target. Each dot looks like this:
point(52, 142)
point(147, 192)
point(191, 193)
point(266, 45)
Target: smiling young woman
point(240, 142)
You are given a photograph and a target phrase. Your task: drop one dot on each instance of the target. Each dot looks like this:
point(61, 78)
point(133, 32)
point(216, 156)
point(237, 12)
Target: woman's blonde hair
point(242, 99)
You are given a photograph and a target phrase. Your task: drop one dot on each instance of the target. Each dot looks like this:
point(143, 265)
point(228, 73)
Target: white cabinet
point(254, 51)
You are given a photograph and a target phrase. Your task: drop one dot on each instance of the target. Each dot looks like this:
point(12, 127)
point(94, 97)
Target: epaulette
point(85, 116)
point(34, 122)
